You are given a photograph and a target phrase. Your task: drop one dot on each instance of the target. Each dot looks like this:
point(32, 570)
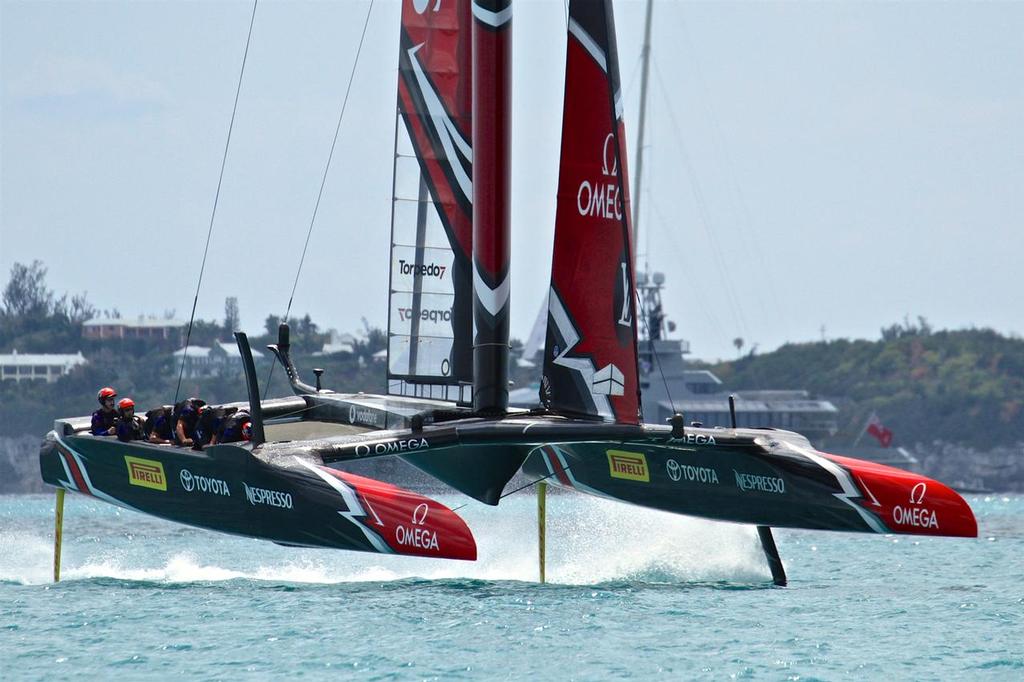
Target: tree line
point(958, 386)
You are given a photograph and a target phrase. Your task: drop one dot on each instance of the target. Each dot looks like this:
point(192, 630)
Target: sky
point(812, 169)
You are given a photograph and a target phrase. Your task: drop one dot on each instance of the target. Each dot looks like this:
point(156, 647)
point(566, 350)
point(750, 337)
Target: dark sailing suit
point(158, 421)
point(129, 429)
point(102, 421)
point(188, 417)
point(231, 428)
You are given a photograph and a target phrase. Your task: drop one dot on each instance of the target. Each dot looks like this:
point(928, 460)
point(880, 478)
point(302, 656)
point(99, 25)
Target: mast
point(492, 77)
point(645, 56)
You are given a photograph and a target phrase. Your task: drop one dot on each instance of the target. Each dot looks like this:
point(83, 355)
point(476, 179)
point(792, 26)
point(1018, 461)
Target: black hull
point(226, 488)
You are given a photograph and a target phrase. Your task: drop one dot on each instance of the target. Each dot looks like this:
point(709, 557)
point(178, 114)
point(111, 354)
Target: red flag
point(879, 431)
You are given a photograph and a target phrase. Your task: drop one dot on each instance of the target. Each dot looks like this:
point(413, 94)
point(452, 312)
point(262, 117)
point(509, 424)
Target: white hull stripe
point(588, 44)
point(492, 299)
point(91, 489)
point(850, 490)
point(493, 18)
point(549, 451)
point(354, 508)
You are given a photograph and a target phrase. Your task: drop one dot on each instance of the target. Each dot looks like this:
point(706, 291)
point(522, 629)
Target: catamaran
point(446, 410)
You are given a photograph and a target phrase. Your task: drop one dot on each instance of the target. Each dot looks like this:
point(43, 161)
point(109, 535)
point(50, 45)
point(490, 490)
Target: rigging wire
point(323, 182)
point(746, 223)
point(702, 209)
point(216, 199)
point(654, 354)
point(522, 487)
point(693, 283)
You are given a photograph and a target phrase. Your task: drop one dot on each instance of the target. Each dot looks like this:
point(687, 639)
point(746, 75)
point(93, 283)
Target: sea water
point(630, 593)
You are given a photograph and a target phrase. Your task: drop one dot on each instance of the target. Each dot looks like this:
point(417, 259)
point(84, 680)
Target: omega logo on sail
point(602, 198)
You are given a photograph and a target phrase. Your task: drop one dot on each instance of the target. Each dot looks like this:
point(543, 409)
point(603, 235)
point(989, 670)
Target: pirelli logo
point(146, 473)
point(631, 466)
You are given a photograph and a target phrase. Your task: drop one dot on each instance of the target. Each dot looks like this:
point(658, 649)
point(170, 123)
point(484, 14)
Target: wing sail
point(430, 315)
point(590, 359)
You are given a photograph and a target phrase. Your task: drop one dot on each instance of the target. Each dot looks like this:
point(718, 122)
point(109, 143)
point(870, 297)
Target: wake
point(590, 541)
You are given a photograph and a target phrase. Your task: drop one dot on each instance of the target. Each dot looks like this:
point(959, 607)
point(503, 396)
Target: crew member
point(158, 426)
point(129, 427)
point(103, 419)
point(207, 425)
point(234, 428)
point(186, 416)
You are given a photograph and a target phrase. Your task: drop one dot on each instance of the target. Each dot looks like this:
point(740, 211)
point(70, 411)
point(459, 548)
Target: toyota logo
point(675, 472)
point(187, 482)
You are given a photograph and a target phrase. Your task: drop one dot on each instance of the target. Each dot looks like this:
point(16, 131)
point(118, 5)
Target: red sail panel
point(430, 317)
point(590, 359)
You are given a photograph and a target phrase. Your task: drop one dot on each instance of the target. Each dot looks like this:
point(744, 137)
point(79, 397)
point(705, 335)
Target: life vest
point(233, 428)
point(208, 424)
point(158, 421)
point(186, 411)
point(102, 421)
point(129, 429)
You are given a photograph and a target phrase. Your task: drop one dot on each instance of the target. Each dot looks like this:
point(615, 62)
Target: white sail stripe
point(618, 104)
point(354, 508)
point(492, 18)
point(583, 366)
point(588, 44)
point(493, 299)
point(446, 132)
point(847, 484)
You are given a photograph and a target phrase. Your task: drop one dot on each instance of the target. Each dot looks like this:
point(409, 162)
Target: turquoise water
point(631, 593)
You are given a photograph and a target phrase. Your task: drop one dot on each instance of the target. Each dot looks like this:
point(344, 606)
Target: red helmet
point(106, 392)
point(126, 403)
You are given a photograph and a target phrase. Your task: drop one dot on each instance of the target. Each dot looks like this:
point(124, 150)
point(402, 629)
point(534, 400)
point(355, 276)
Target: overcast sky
point(811, 166)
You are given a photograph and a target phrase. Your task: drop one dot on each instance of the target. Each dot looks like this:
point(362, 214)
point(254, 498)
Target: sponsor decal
point(364, 415)
point(212, 486)
point(265, 496)
point(407, 314)
point(146, 473)
point(921, 517)
point(422, 270)
point(764, 484)
point(417, 535)
point(602, 198)
point(694, 439)
point(391, 447)
point(678, 472)
point(631, 466)
point(917, 516)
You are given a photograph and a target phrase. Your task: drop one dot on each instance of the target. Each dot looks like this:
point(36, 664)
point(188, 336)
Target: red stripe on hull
point(410, 524)
point(556, 465)
point(76, 473)
point(908, 502)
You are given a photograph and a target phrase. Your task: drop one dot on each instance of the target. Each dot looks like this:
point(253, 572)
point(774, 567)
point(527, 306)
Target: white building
point(140, 328)
point(339, 343)
point(219, 360)
point(46, 367)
